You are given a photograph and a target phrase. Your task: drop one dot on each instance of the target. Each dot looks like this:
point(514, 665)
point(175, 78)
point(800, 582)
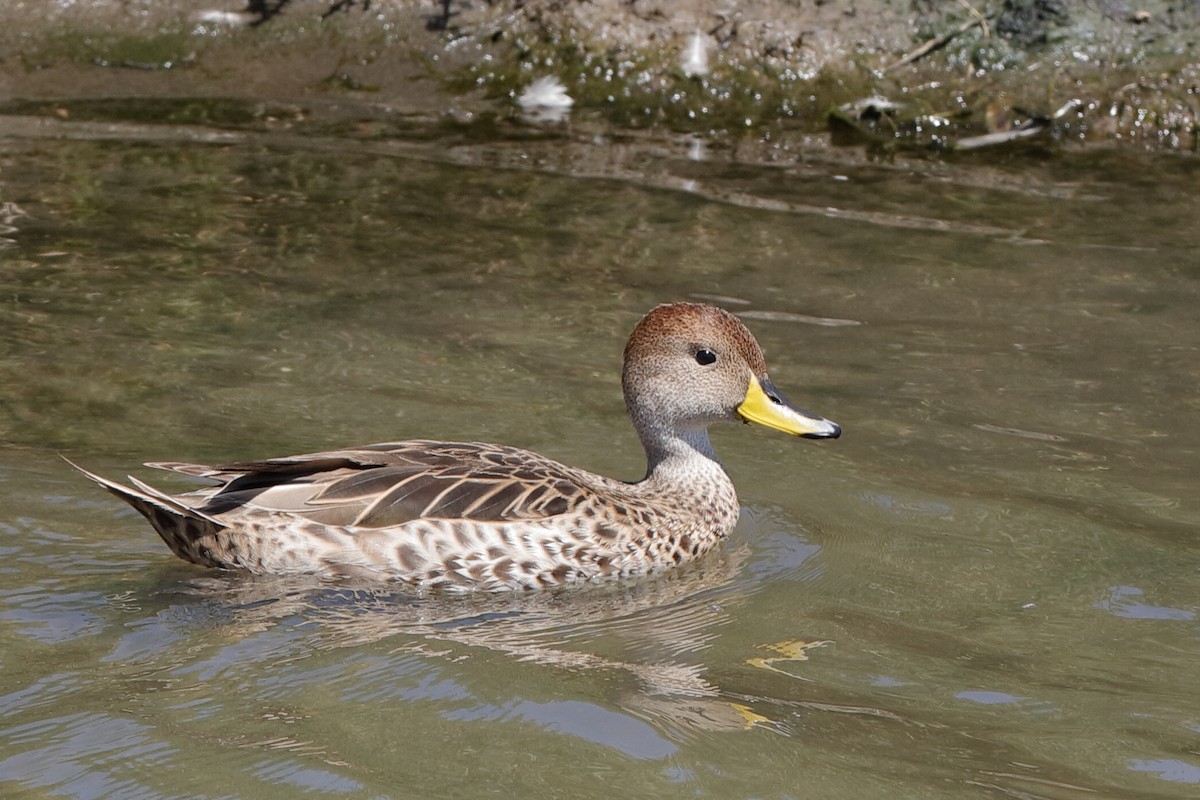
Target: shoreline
point(888, 74)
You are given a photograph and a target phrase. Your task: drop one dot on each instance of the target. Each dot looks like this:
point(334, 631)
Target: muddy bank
point(892, 73)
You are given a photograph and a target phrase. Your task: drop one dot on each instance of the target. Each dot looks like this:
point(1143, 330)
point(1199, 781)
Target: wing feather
point(390, 483)
point(365, 484)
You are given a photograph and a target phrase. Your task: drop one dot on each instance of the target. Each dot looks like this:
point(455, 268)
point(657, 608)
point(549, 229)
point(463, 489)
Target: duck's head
point(688, 365)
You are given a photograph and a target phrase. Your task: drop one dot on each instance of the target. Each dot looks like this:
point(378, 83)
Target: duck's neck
point(701, 503)
point(680, 455)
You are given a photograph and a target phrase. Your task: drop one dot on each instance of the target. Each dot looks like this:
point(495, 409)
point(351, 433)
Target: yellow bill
point(764, 405)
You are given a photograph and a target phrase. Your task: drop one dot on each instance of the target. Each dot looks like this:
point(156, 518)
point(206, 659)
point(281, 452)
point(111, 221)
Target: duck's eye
point(705, 357)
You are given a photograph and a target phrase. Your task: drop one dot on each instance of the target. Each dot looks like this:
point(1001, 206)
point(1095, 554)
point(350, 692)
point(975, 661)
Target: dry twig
point(939, 41)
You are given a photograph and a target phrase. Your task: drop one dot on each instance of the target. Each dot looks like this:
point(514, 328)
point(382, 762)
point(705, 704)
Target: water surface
point(987, 588)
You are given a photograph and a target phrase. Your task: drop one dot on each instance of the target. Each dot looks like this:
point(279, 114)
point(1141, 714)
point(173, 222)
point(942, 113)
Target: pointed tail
point(189, 533)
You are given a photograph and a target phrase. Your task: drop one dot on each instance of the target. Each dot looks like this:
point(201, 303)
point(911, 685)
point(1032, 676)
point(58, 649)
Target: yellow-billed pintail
point(472, 516)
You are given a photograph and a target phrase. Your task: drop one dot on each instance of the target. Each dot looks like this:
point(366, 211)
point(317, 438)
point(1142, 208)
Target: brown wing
point(387, 484)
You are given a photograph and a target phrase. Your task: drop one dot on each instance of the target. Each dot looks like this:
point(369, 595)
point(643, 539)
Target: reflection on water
point(987, 588)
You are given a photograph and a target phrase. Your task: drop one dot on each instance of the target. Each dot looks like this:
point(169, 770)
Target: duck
point(472, 516)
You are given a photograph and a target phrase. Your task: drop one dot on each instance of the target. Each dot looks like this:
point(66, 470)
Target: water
point(987, 588)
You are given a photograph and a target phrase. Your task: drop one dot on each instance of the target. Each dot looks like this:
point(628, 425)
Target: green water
point(987, 588)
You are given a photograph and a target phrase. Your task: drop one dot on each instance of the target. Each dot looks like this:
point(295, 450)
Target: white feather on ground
point(545, 92)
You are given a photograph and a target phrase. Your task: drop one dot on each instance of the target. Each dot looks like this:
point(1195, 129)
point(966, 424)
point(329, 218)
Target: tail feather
point(200, 470)
point(187, 531)
point(168, 502)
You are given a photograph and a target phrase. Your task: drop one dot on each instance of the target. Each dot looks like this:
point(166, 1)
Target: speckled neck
point(686, 465)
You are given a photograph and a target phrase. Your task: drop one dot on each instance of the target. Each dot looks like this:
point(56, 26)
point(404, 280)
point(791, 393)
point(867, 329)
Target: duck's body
point(488, 517)
point(449, 514)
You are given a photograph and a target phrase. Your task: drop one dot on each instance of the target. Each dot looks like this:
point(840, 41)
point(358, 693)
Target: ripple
point(305, 778)
point(80, 755)
point(52, 616)
point(1120, 603)
point(1169, 769)
point(586, 721)
point(806, 319)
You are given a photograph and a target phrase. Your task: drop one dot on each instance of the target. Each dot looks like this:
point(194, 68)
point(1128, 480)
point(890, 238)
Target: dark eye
point(705, 357)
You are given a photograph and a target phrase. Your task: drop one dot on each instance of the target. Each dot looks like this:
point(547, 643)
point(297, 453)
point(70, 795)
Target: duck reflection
point(652, 628)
